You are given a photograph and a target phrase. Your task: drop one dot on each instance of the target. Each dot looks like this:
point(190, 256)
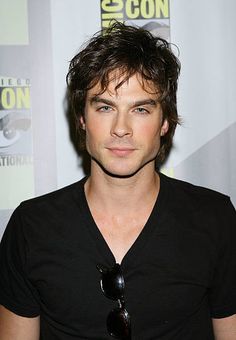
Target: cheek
point(95, 135)
point(149, 132)
point(149, 138)
point(96, 126)
point(94, 130)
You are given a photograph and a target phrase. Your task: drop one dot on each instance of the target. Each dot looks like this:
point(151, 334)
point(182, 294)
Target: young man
point(126, 252)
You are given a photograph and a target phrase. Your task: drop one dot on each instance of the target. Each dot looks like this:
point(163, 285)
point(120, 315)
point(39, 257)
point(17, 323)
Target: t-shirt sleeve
point(222, 294)
point(16, 291)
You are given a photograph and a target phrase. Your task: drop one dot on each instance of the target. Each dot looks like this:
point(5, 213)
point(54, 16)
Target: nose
point(121, 126)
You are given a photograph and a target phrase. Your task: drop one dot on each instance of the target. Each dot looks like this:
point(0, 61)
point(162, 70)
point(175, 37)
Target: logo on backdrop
point(15, 121)
point(152, 15)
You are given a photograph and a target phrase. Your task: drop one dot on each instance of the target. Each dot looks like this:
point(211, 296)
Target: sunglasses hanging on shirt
point(113, 286)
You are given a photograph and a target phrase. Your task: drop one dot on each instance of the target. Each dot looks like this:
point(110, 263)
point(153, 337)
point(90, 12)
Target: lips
point(121, 151)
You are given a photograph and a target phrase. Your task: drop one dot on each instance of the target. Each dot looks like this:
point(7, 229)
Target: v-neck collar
point(152, 222)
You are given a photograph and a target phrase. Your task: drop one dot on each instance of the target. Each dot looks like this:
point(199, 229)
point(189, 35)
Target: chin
point(120, 174)
point(124, 174)
point(123, 168)
point(119, 171)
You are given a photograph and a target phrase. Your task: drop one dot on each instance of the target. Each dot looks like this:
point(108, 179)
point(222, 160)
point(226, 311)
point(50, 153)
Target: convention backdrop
point(37, 40)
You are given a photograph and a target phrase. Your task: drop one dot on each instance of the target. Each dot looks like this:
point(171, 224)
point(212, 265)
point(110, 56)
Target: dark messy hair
point(128, 50)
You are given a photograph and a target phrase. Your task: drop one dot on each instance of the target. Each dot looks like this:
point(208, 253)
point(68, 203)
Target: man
point(127, 252)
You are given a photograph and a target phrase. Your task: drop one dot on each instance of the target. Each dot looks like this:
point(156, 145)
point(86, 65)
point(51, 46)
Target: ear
point(82, 122)
point(165, 127)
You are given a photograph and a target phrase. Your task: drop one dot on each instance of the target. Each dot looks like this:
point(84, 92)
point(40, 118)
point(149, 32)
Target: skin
point(16, 327)
point(123, 131)
point(123, 128)
point(225, 328)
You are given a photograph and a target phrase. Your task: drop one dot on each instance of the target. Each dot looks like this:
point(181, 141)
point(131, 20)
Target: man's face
point(123, 127)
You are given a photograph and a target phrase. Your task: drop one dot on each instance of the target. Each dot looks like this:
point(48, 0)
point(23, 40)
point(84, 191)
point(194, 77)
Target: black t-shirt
point(179, 273)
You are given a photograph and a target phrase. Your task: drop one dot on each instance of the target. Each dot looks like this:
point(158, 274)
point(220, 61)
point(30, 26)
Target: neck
point(122, 194)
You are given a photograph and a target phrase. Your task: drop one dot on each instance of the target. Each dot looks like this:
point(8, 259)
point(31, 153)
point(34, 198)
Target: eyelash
point(103, 108)
point(143, 112)
point(139, 110)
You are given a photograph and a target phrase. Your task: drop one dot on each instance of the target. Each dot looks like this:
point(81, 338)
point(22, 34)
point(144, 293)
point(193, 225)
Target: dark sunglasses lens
point(112, 283)
point(118, 324)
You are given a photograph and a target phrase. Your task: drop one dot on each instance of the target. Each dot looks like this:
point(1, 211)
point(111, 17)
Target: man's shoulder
point(47, 214)
point(60, 197)
point(191, 194)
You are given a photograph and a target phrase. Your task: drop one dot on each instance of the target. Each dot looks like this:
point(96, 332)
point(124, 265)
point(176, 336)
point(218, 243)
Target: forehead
point(120, 83)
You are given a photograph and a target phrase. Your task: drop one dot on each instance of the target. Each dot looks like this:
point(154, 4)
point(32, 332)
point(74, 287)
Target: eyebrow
point(97, 99)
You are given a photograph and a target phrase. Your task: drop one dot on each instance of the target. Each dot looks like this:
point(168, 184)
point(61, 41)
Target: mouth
point(121, 151)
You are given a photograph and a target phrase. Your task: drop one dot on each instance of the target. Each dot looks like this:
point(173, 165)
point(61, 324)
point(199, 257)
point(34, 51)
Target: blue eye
point(141, 110)
point(105, 108)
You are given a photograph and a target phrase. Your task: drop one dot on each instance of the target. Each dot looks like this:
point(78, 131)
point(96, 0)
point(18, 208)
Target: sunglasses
point(113, 286)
